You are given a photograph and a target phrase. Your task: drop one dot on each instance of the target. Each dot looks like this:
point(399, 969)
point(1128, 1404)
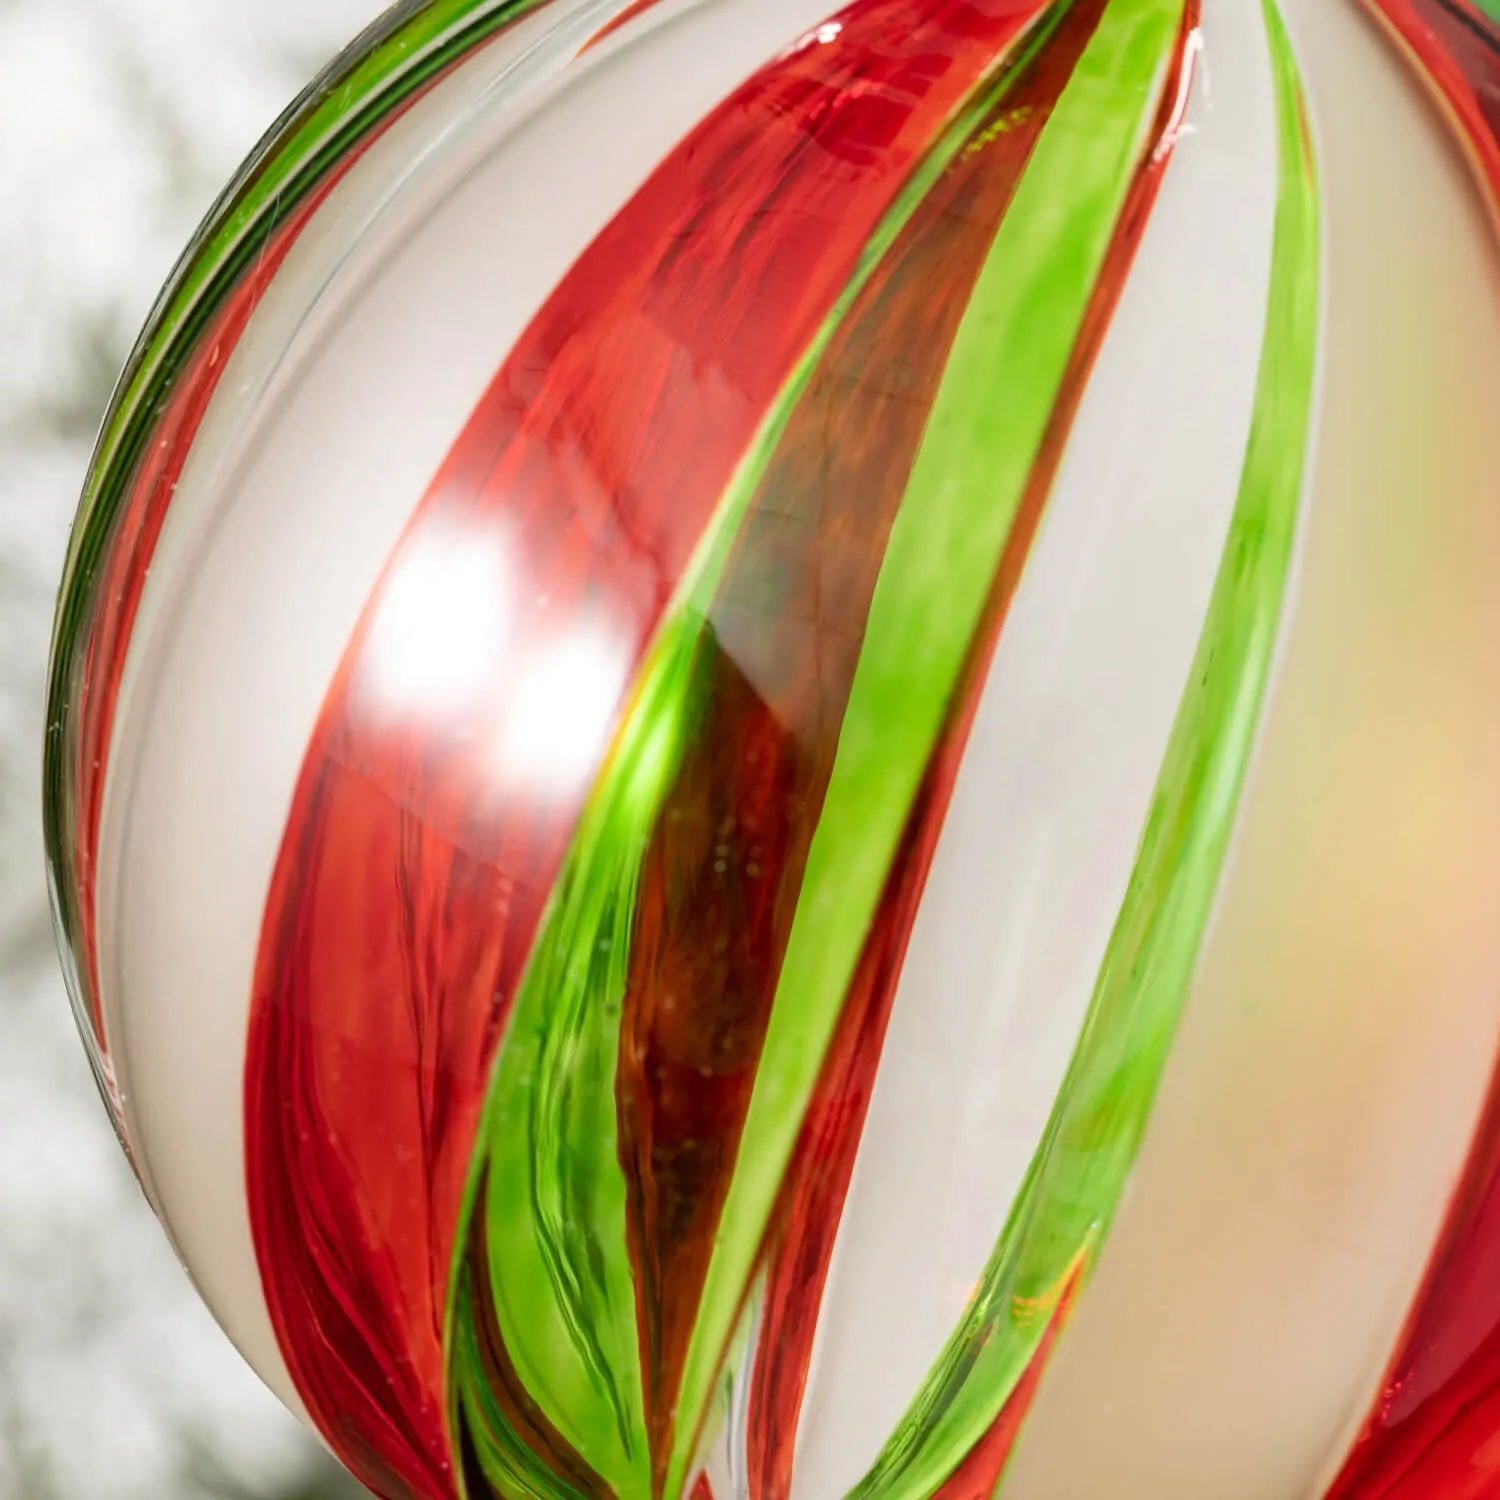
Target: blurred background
point(119, 122)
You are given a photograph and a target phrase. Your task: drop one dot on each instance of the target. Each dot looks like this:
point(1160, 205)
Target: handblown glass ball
point(775, 761)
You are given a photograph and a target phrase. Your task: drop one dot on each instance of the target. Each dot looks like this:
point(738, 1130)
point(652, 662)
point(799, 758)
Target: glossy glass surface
point(652, 706)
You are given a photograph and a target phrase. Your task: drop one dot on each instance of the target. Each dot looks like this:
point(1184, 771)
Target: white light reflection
point(564, 707)
point(829, 31)
point(438, 639)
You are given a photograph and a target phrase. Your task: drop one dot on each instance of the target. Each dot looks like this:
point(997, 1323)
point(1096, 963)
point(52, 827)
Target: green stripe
point(512, 1469)
point(991, 412)
point(555, 1207)
point(1074, 1184)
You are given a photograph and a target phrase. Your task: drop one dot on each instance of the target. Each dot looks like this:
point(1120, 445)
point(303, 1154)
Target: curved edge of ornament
point(390, 190)
point(188, 862)
point(196, 316)
point(280, 336)
point(1312, 1122)
point(174, 374)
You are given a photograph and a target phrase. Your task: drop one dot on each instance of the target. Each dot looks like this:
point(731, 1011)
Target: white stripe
point(1346, 1016)
point(1052, 795)
point(352, 383)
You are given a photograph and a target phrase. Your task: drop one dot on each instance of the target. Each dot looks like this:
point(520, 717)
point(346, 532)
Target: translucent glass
point(772, 739)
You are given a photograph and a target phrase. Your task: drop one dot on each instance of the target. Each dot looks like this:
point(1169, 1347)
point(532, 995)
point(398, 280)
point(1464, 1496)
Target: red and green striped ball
point(773, 751)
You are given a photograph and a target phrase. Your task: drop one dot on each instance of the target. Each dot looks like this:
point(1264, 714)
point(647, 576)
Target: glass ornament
point(773, 739)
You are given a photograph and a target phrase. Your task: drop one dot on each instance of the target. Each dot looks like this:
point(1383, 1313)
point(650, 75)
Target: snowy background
point(119, 122)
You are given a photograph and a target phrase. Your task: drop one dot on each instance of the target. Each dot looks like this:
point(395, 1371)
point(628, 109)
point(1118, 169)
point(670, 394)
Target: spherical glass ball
point(773, 751)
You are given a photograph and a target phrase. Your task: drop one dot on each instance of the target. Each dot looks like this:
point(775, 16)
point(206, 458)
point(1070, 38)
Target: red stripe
point(1457, 50)
point(412, 876)
point(800, 1247)
point(626, 16)
point(1435, 1431)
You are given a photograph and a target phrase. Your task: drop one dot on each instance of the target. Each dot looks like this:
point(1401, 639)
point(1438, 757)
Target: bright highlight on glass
point(802, 907)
